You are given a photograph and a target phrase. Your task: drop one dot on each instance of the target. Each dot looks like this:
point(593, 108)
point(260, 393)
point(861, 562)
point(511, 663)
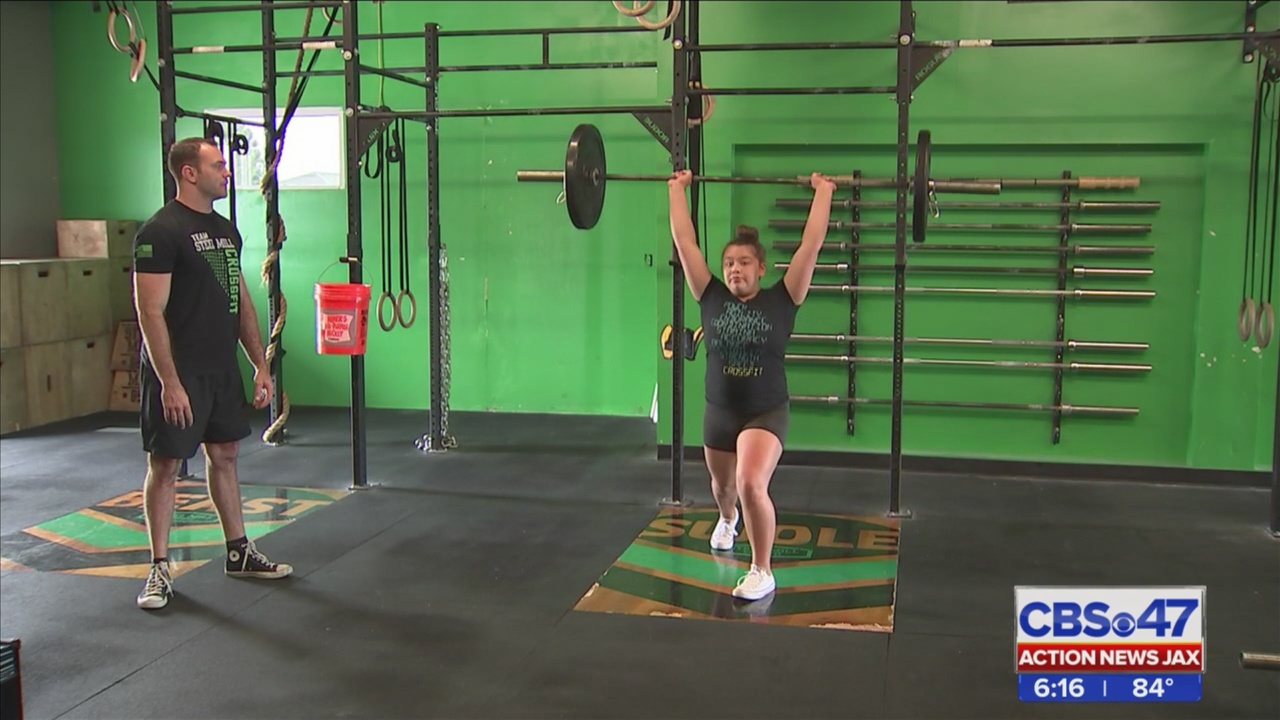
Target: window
point(314, 155)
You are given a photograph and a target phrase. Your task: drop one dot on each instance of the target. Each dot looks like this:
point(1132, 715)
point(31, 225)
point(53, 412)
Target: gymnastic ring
point(413, 305)
point(240, 144)
point(111, 31)
point(382, 300)
point(1247, 314)
point(1266, 324)
point(675, 10)
point(633, 11)
point(395, 153)
point(708, 106)
point(139, 61)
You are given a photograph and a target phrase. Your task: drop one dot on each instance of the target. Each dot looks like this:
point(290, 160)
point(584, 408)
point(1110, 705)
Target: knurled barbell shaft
point(1073, 228)
point(1069, 250)
point(953, 186)
point(1024, 292)
point(1064, 409)
point(982, 342)
point(1074, 271)
point(1082, 205)
point(1021, 364)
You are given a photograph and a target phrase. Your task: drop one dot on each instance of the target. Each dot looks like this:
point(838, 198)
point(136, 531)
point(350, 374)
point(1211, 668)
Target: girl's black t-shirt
point(746, 346)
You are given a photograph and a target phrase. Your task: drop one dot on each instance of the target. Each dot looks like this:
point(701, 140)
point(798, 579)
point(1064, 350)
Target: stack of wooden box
point(58, 321)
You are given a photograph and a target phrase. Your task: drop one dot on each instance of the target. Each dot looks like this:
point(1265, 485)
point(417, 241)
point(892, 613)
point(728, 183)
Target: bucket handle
point(346, 260)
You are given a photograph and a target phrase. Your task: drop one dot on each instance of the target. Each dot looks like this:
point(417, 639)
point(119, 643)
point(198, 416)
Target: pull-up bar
point(179, 9)
point(511, 112)
point(989, 43)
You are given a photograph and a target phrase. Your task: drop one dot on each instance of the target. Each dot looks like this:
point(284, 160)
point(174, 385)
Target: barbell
point(586, 174)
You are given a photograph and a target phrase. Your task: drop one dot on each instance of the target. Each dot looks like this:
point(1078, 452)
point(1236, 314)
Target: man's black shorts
point(720, 426)
point(218, 408)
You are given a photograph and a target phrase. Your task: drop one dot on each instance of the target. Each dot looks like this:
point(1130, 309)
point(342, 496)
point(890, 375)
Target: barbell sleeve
point(539, 175)
point(1260, 661)
point(1078, 271)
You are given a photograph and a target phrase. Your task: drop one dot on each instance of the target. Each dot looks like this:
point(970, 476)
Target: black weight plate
point(584, 176)
point(920, 202)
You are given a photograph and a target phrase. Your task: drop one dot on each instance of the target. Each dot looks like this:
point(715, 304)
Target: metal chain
point(446, 372)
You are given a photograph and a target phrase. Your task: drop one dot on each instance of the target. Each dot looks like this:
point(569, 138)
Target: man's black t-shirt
point(746, 346)
point(202, 252)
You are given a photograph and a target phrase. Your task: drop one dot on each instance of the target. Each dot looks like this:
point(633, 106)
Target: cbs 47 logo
point(1163, 616)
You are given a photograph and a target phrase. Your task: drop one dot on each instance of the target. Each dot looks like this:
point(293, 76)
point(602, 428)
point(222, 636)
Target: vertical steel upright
point(168, 95)
point(851, 369)
point(168, 119)
point(679, 129)
point(271, 198)
point(906, 39)
point(1064, 242)
point(434, 440)
point(1275, 462)
point(355, 251)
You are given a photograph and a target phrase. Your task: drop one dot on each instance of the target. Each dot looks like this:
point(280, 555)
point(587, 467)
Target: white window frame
point(248, 168)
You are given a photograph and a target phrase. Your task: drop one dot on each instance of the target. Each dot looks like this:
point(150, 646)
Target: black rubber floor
point(445, 591)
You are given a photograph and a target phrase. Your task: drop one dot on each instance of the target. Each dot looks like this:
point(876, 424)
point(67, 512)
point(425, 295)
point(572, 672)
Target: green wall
point(546, 318)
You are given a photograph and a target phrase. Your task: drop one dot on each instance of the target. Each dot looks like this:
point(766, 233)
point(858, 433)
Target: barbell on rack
point(1064, 344)
point(586, 175)
point(1023, 292)
point(1064, 409)
point(1020, 364)
point(1073, 271)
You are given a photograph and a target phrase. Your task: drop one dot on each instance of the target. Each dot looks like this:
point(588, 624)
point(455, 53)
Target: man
point(746, 328)
point(194, 311)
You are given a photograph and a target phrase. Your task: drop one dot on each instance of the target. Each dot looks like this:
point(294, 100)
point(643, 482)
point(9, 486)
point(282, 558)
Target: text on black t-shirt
point(746, 346)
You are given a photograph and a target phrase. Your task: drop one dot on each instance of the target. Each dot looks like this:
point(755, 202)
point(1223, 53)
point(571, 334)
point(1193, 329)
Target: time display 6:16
point(1168, 687)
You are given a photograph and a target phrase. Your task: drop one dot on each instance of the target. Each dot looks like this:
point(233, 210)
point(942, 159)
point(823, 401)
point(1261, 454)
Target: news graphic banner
point(1110, 644)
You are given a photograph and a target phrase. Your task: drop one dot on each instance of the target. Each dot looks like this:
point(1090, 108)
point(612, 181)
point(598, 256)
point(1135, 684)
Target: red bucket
point(342, 318)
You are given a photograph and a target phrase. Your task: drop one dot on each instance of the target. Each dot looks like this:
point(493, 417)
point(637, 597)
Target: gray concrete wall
point(29, 202)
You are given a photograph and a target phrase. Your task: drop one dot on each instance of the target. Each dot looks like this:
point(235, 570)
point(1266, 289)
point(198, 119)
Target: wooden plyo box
point(10, 306)
point(13, 390)
point(120, 289)
point(96, 238)
point(88, 288)
point(42, 303)
point(89, 374)
point(127, 346)
point(126, 391)
point(48, 383)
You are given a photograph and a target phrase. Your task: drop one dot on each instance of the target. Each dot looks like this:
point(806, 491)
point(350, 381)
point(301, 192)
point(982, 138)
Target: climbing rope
point(272, 259)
